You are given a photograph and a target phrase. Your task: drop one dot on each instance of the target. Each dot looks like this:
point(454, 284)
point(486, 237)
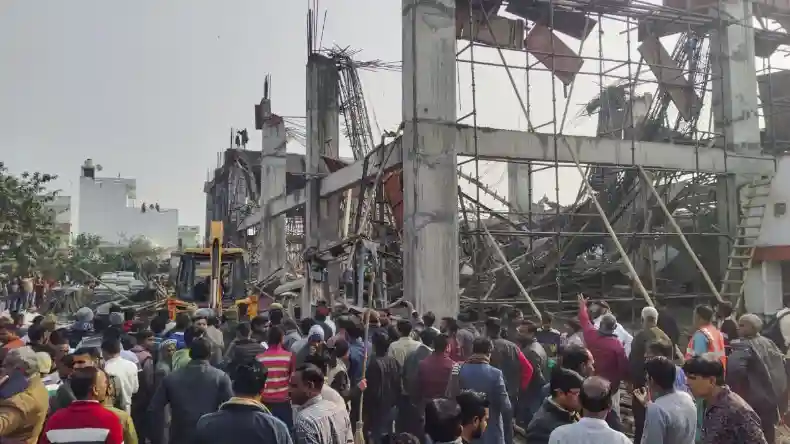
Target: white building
point(189, 236)
point(61, 209)
point(108, 209)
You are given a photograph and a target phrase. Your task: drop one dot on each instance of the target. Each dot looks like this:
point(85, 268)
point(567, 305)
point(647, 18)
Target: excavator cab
point(194, 282)
point(211, 277)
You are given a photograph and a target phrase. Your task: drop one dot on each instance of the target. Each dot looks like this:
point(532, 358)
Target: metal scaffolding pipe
point(609, 229)
point(680, 234)
point(512, 273)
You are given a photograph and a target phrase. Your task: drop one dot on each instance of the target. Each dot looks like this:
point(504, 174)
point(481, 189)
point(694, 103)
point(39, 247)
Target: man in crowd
point(405, 345)
point(650, 333)
point(707, 338)
point(144, 349)
point(531, 398)
point(191, 392)
point(279, 364)
point(104, 395)
point(85, 420)
point(725, 322)
point(506, 356)
point(383, 378)
point(728, 419)
point(243, 418)
point(596, 400)
point(479, 375)
point(124, 371)
point(243, 348)
point(671, 415)
point(474, 415)
point(23, 397)
point(317, 421)
point(549, 337)
point(443, 421)
point(598, 310)
point(559, 409)
point(756, 372)
point(411, 412)
point(580, 360)
point(606, 349)
point(666, 350)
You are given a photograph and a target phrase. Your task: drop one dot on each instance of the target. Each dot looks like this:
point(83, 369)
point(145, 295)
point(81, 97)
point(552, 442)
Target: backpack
point(773, 331)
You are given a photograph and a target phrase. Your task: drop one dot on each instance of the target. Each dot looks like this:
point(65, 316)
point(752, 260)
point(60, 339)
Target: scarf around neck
point(477, 358)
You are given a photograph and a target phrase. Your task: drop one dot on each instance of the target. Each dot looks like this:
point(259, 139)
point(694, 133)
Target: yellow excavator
point(210, 277)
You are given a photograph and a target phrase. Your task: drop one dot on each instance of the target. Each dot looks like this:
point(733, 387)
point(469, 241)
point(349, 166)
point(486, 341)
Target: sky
point(150, 89)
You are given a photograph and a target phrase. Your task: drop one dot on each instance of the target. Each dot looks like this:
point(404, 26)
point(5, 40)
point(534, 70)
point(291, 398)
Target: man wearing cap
point(606, 348)
point(600, 308)
point(83, 326)
point(649, 334)
point(315, 344)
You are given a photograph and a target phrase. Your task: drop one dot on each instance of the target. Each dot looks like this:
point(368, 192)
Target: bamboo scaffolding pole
point(680, 234)
point(512, 273)
point(609, 229)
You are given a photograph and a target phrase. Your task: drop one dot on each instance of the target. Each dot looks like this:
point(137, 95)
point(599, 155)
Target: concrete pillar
point(734, 83)
point(519, 186)
point(430, 180)
point(271, 237)
point(735, 111)
point(321, 220)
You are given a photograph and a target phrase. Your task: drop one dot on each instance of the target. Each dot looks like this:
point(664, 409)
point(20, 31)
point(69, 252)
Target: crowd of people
point(343, 377)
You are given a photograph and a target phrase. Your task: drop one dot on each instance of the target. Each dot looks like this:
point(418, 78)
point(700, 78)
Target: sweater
point(279, 365)
point(83, 422)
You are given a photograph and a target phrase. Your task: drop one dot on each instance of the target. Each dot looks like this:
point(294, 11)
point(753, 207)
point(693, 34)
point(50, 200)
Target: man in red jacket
point(84, 420)
point(607, 350)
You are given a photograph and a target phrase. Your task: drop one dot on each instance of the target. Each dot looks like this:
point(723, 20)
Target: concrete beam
point(498, 144)
point(333, 183)
point(505, 145)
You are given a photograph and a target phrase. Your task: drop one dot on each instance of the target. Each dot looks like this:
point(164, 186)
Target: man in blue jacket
point(243, 418)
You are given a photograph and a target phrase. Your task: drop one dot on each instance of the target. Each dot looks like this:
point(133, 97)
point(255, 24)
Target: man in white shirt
point(600, 308)
point(596, 402)
point(124, 371)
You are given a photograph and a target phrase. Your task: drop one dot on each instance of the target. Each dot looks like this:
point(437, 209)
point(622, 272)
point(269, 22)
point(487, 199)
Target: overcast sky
point(149, 89)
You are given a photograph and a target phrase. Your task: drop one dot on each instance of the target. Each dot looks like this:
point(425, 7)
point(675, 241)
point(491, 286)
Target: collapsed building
point(675, 187)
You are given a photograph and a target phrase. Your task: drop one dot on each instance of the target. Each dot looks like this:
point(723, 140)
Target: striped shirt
point(279, 365)
point(320, 421)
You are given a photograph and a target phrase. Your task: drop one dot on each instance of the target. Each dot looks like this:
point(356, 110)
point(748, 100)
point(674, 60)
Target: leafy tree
point(139, 255)
point(27, 226)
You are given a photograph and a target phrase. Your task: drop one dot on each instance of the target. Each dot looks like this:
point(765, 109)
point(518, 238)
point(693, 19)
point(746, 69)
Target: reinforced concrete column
point(321, 220)
point(430, 180)
point(271, 237)
point(519, 186)
point(734, 82)
point(735, 111)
